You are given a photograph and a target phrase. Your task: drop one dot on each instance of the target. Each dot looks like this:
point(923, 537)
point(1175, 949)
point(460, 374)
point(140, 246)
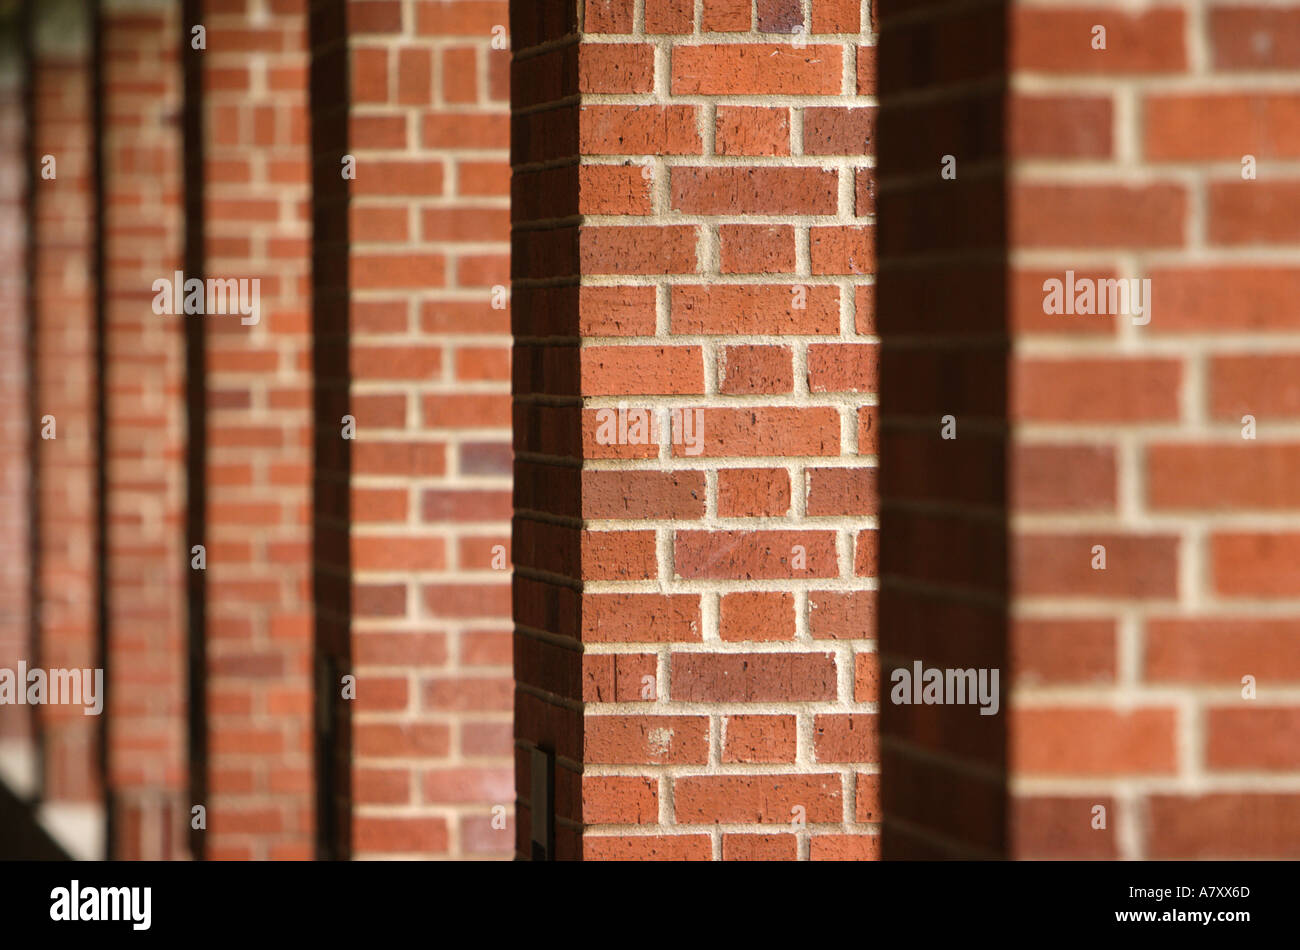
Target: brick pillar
point(429, 347)
point(694, 616)
point(1199, 515)
point(16, 723)
point(257, 224)
point(146, 550)
point(65, 470)
point(1082, 435)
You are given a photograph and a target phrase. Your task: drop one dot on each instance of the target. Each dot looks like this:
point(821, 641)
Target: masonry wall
point(16, 433)
point(695, 185)
point(147, 557)
point(1136, 437)
point(66, 381)
point(693, 231)
point(1148, 698)
point(429, 346)
point(258, 466)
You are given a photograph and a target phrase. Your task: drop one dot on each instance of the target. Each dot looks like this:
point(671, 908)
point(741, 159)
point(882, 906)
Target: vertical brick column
point(1092, 144)
point(694, 615)
point(65, 472)
point(429, 264)
point(257, 221)
point(147, 555)
point(1172, 168)
point(16, 433)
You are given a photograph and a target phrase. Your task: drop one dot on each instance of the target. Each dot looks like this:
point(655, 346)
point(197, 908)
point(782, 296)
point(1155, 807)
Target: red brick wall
point(694, 633)
point(1131, 436)
point(684, 173)
point(431, 479)
point(1123, 687)
point(257, 220)
point(65, 473)
point(15, 378)
point(148, 556)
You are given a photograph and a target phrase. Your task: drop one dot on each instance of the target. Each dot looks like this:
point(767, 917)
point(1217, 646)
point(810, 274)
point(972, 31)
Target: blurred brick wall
point(16, 425)
point(430, 360)
point(1077, 433)
point(694, 638)
point(65, 473)
point(257, 220)
point(1131, 436)
point(147, 553)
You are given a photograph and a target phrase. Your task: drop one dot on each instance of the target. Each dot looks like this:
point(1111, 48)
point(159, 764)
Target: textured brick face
point(692, 188)
point(144, 363)
point(258, 532)
point(430, 370)
point(724, 262)
point(66, 380)
point(1155, 436)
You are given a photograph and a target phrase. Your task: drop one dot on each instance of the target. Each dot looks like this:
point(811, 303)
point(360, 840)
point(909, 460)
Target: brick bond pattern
point(257, 221)
point(683, 172)
point(1130, 679)
point(64, 466)
point(1075, 431)
point(430, 356)
point(147, 553)
point(697, 625)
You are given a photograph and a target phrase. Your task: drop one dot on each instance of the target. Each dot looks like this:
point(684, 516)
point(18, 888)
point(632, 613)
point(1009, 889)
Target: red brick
point(752, 677)
point(1221, 650)
point(747, 370)
point(756, 616)
point(753, 492)
point(757, 249)
point(766, 799)
point(735, 190)
point(752, 130)
point(1137, 566)
point(1073, 216)
point(1245, 564)
point(756, 70)
point(1060, 41)
point(1244, 124)
point(749, 555)
point(633, 740)
point(752, 309)
point(758, 739)
point(1093, 741)
point(1096, 390)
point(642, 370)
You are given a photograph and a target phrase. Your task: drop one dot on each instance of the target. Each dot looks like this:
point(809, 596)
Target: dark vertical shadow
point(331, 487)
point(942, 315)
point(545, 274)
point(27, 25)
point(196, 416)
point(100, 323)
